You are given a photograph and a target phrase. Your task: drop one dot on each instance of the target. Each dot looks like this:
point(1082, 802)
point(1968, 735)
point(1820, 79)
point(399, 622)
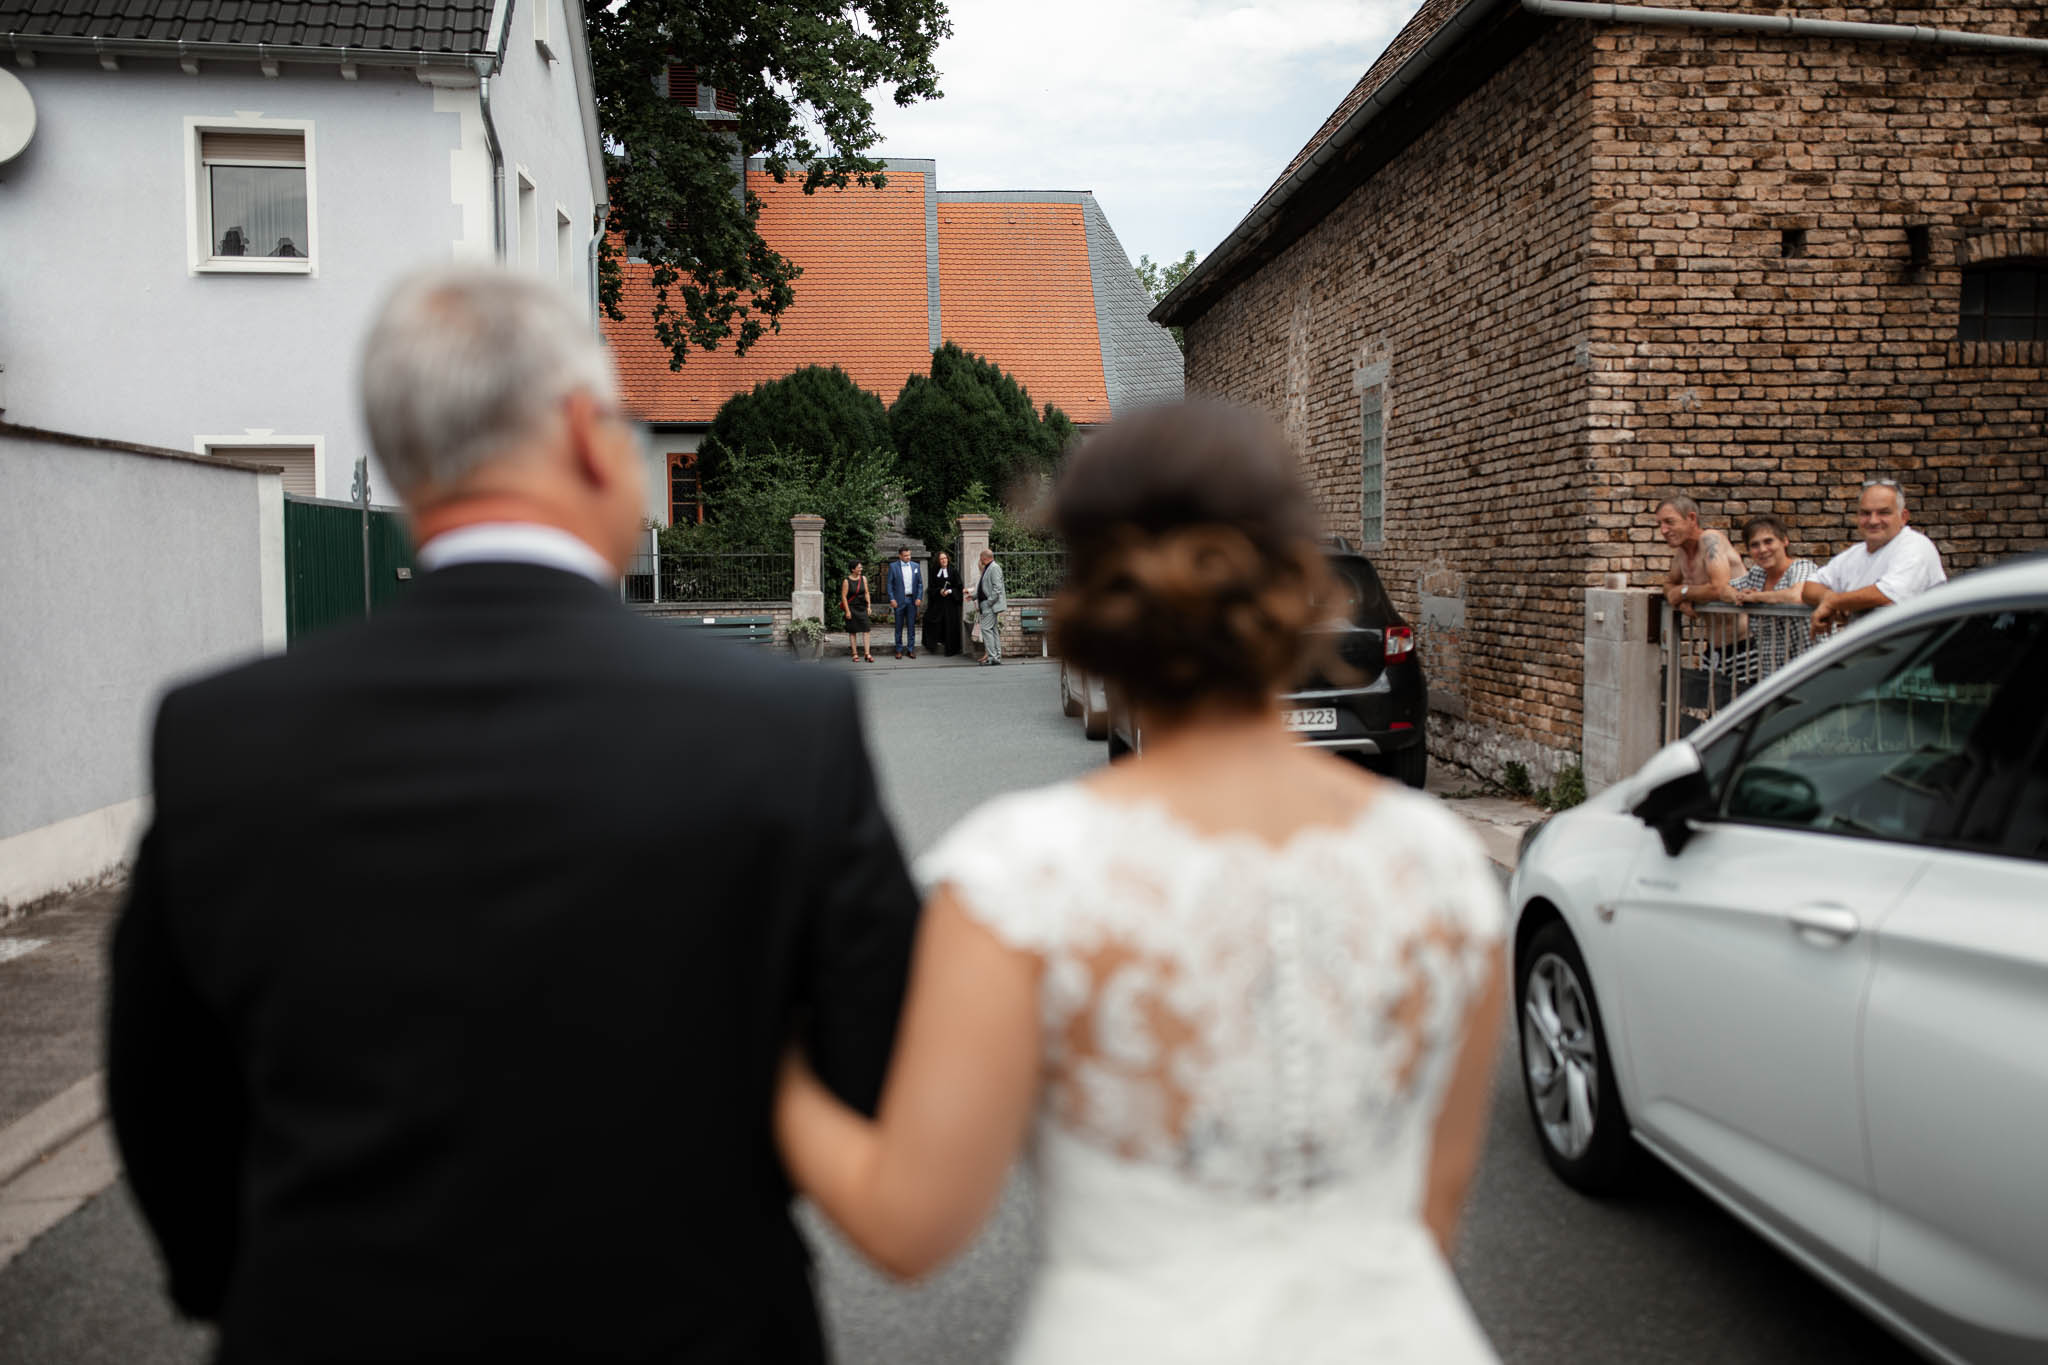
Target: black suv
point(1379, 718)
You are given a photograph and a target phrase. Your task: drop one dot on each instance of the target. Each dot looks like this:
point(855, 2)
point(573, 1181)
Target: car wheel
point(1567, 1074)
point(1411, 766)
point(1070, 703)
point(1117, 748)
point(1094, 720)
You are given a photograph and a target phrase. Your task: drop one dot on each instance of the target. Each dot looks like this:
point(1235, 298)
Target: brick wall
point(1578, 291)
point(1454, 280)
point(1763, 381)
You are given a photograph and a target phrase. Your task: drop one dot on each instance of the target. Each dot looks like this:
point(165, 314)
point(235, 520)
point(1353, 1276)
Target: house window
point(529, 224)
point(253, 198)
point(1372, 469)
point(2004, 301)
point(685, 501)
point(301, 463)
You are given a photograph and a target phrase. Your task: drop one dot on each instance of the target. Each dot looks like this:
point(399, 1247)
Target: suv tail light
point(1397, 643)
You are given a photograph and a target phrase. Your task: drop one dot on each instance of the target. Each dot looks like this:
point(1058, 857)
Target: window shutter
point(283, 147)
point(682, 84)
point(296, 460)
point(728, 101)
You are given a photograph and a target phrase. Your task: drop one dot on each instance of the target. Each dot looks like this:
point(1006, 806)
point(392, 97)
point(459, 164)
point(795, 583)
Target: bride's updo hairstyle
point(1192, 564)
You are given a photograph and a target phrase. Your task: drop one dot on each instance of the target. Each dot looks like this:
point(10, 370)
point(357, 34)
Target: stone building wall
point(1453, 281)
point(1764, 336)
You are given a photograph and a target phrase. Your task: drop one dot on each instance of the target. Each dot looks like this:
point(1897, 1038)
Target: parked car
point(1381, 716)
point(1083, 696)
point(1802, 958)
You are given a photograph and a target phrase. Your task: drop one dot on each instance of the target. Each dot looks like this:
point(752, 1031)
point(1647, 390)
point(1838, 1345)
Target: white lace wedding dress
point(1246, 1047)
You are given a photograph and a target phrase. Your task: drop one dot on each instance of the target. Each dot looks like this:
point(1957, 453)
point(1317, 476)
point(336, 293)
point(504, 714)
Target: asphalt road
point(1661, 1276)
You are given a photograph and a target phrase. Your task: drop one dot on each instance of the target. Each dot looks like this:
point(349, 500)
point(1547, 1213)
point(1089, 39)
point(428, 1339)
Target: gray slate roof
point(421, 26)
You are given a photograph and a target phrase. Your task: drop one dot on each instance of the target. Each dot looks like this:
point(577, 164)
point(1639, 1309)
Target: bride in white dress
point(1236, 996)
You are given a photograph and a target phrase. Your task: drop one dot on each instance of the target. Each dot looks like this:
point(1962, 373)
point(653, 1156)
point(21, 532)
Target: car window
point(2008, 811)
point(2026, 829)
point(1893, 739)
point(1365, 598)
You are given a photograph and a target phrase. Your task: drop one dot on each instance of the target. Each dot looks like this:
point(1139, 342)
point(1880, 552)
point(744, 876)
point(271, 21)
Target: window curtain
point(259, 210)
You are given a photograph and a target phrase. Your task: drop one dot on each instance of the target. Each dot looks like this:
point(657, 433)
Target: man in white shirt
point(1893, 563)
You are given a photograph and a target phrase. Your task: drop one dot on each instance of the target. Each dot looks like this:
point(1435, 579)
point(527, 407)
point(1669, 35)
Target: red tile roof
point(1014, 286)
point(860, 303)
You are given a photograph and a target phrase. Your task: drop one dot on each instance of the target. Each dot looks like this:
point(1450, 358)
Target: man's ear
point(583, 422)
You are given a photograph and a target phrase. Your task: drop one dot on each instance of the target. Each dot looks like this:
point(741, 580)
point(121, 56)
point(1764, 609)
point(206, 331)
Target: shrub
point(807, 630)
point(967, 423)
point(815, 411)
point(1567, 789)
point(1515, 777)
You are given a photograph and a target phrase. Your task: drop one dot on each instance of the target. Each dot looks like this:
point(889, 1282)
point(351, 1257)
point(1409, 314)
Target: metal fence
point(1718, 651)
point(1032, 573)
point(325, 582)
point(715, 576)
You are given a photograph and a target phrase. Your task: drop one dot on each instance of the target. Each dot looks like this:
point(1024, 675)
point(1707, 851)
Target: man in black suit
point(447, 1003)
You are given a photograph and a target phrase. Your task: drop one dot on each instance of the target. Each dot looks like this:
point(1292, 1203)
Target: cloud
point(1177, 113)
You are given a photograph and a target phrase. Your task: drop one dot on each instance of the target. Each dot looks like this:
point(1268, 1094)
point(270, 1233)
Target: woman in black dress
point(853, 600)
point(942, 616)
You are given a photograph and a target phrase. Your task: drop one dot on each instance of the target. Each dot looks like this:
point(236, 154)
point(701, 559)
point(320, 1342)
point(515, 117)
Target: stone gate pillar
point(1623, 670)
point(973, 540)
point(807, 599)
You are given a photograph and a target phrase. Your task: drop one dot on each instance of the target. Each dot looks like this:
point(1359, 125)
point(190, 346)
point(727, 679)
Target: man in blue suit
point(906, 594)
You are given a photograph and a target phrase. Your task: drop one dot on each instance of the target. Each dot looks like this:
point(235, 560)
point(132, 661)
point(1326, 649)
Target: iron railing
point(1718, 651)
point(709, 576)
point(1032, 573)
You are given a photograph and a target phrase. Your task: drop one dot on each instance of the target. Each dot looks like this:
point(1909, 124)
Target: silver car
point(1802, 958)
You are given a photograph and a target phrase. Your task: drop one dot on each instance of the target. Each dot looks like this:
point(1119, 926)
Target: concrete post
point(1619, 711)
point(973, 540)
point(807, 600)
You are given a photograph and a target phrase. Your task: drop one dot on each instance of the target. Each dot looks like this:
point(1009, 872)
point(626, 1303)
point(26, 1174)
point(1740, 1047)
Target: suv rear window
point(1368, 599)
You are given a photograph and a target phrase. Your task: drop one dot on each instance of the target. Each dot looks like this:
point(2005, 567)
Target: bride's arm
point(911, 1187)
point(1461, 1123)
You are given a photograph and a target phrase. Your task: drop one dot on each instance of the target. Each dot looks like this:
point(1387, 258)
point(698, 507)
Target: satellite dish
point(17, 116)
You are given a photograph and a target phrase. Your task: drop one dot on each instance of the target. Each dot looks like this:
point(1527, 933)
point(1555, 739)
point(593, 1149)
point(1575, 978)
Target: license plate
point(1311, 718)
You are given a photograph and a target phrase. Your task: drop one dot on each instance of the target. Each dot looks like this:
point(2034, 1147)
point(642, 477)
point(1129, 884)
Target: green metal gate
point(323, 562)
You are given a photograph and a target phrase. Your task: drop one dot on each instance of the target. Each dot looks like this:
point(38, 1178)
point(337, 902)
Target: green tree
point(966, 423)
point(800, 74)
point(857, 492)
point(814, 410)
point(1160, 280)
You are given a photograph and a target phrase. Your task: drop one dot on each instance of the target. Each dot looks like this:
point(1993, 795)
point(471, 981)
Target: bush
point(1007, 531)
point(968, 423)
point(1566, 790)
point(815, 411)
point(1515, 777)
point(807, 630)
point(855, 492)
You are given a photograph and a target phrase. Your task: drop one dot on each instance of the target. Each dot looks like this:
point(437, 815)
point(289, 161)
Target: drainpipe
point(485, 69)
point(1784, 25)
point(602, 212)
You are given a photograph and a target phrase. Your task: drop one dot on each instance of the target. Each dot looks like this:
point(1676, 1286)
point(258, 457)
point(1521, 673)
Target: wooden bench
point(755, 630)
point(1035, 621)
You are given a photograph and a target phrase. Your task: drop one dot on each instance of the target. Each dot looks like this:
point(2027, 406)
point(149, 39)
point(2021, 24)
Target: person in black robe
point(942, 615)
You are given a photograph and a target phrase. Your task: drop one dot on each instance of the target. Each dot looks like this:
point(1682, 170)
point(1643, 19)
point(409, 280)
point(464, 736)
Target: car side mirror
point(1774, 794)
point(1674, 791)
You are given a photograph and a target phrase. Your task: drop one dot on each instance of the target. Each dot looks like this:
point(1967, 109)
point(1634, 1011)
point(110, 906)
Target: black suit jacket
point(447, 1003)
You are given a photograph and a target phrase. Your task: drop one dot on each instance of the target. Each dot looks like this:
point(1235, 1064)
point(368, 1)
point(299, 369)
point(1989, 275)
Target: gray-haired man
point(989, 604)
point(408, 941)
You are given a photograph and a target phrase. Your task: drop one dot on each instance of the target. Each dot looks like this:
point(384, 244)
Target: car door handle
point(1825, 926)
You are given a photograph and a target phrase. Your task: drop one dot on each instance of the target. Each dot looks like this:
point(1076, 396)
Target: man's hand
point(1827, 616)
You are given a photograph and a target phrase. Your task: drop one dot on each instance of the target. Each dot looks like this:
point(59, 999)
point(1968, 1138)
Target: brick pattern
point(1639, 259)
point(1761, 381)
point(1456, 279)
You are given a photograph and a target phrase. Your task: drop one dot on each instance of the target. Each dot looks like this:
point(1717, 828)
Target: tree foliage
point(1161, 280)
point(966, 423)
point(801, 74)
point(815, 410)
point(857, 492)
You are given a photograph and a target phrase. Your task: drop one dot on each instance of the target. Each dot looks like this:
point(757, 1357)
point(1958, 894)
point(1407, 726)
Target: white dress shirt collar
point(516, 542)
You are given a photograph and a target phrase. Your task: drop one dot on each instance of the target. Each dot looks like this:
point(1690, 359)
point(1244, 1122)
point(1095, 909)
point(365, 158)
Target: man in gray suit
point(989, 604)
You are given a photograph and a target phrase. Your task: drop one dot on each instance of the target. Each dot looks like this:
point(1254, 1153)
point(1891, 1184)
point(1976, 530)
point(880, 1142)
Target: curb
point(50, 1125)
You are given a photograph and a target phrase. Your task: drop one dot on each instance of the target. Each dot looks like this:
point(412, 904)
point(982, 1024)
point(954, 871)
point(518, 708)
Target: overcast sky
point(1177, 113)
